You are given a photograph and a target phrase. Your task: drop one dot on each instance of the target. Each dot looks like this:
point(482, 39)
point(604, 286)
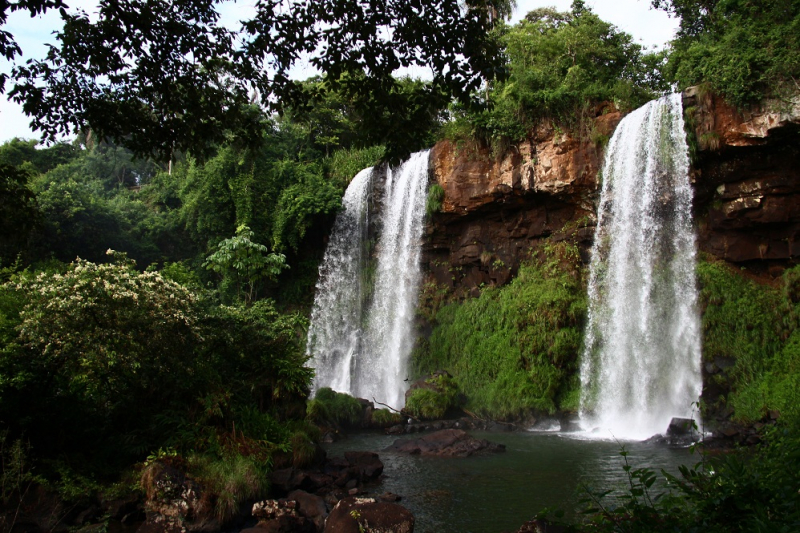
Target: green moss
point(329, 406)
point(514, 349)
point(434, 201)
point(755, 326)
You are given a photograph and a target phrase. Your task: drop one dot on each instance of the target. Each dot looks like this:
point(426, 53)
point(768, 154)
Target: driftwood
point(393, 409)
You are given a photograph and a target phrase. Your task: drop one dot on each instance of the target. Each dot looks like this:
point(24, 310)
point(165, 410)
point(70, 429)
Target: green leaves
point(165, 77)
point(245, 262)
point(746, 50)
point(561, 65)
point(514, 349)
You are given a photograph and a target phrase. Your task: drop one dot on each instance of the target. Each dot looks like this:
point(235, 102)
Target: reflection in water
point(498, 493)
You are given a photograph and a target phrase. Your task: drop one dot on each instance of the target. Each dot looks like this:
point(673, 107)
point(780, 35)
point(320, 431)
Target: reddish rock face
point(746, 176)
point(747, 180)
point(496, 209)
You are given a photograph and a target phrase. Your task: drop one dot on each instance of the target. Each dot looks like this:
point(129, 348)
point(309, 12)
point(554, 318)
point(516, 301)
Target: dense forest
point(157, 271)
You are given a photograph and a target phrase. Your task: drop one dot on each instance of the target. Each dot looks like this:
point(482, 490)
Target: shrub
point(434, 398)
point(329, 406)
point(384, 418)
point(755, 326)
point(427, 404)
point(742, 491)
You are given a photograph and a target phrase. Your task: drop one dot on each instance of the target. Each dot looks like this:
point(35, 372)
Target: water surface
point(497, 493)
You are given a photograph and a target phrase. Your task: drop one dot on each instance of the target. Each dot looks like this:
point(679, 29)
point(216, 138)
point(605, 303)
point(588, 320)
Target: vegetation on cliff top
point(745, 50)
point(562, 65)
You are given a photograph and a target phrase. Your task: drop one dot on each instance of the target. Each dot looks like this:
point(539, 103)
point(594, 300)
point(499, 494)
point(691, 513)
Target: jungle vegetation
point(156, 272)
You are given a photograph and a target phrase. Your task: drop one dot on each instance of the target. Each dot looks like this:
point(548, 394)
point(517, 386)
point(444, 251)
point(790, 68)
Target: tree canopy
point(164, 76)
point(744, 49)
point(561, 65)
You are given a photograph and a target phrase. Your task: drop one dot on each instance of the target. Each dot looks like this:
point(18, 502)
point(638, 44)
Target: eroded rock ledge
point(747, 179)
point(746, 175)
point(496, 209)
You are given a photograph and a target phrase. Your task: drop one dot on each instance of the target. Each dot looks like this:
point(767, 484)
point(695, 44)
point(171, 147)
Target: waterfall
point(641, 361)
point(361, 331)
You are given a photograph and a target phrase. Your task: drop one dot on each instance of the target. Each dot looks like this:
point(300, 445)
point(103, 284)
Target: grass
point(234, 479)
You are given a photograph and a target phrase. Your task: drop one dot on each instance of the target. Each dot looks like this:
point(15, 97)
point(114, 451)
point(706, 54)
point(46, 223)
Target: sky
point(649, 28)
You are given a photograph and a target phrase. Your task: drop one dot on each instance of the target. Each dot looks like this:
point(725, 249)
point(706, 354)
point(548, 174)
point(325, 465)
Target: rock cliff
point(745, 171)
point(496, 209)
point(746, 175)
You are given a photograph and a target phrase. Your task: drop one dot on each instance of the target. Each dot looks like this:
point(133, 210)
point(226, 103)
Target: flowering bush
point(107, 329)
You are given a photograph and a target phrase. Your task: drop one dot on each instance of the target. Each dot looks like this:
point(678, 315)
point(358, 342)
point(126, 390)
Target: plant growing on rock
point(514, 349)
point(337, 408)
point(432, 399)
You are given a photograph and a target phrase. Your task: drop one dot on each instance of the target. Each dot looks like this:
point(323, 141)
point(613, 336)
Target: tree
point(9, 48)
point(160, 76)
point(745, 50)
point(562, 64)
point(19, 212)
point(244, 263)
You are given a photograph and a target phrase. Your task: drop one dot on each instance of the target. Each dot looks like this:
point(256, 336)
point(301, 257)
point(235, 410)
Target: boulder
point(680, 427)
point(175, 502)
point(353, 515)
point(346, 472)
point(280, 516)
point(446, 443)
point(311, 506)
point(367, 464)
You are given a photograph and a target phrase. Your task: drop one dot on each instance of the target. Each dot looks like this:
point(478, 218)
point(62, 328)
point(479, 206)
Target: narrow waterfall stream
point(641, 362)
point(361, 323)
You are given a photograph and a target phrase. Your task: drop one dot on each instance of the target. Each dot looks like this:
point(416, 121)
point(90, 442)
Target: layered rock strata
point(746, 176)
point(745, 171)
point(496, 209)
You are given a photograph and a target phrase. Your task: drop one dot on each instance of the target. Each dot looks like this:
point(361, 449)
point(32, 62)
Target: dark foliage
point(160, 77)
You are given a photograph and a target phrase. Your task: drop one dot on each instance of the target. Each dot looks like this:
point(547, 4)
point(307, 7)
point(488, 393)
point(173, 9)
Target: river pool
point(498, 493)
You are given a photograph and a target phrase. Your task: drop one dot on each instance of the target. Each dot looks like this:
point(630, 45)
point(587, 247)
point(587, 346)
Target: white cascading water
point(641, 361)
point(361, 331)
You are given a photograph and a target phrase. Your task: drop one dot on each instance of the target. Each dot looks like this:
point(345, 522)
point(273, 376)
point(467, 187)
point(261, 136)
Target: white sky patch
point(649, 28)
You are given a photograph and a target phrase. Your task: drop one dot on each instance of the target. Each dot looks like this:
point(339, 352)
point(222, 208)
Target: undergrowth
point(515, 349)
point(750, 490)
point(754, 328)
point(434, 399)
point(336, 408)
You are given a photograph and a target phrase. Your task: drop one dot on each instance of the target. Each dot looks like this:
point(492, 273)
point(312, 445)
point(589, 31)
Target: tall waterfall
point(361, 336)
point(641, 362)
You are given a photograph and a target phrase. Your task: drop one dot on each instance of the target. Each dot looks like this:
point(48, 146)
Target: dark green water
point(497, 493)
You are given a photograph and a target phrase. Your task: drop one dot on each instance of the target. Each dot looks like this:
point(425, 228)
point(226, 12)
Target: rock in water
point(680, 427)
point(353, 515)
point(446, 443)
